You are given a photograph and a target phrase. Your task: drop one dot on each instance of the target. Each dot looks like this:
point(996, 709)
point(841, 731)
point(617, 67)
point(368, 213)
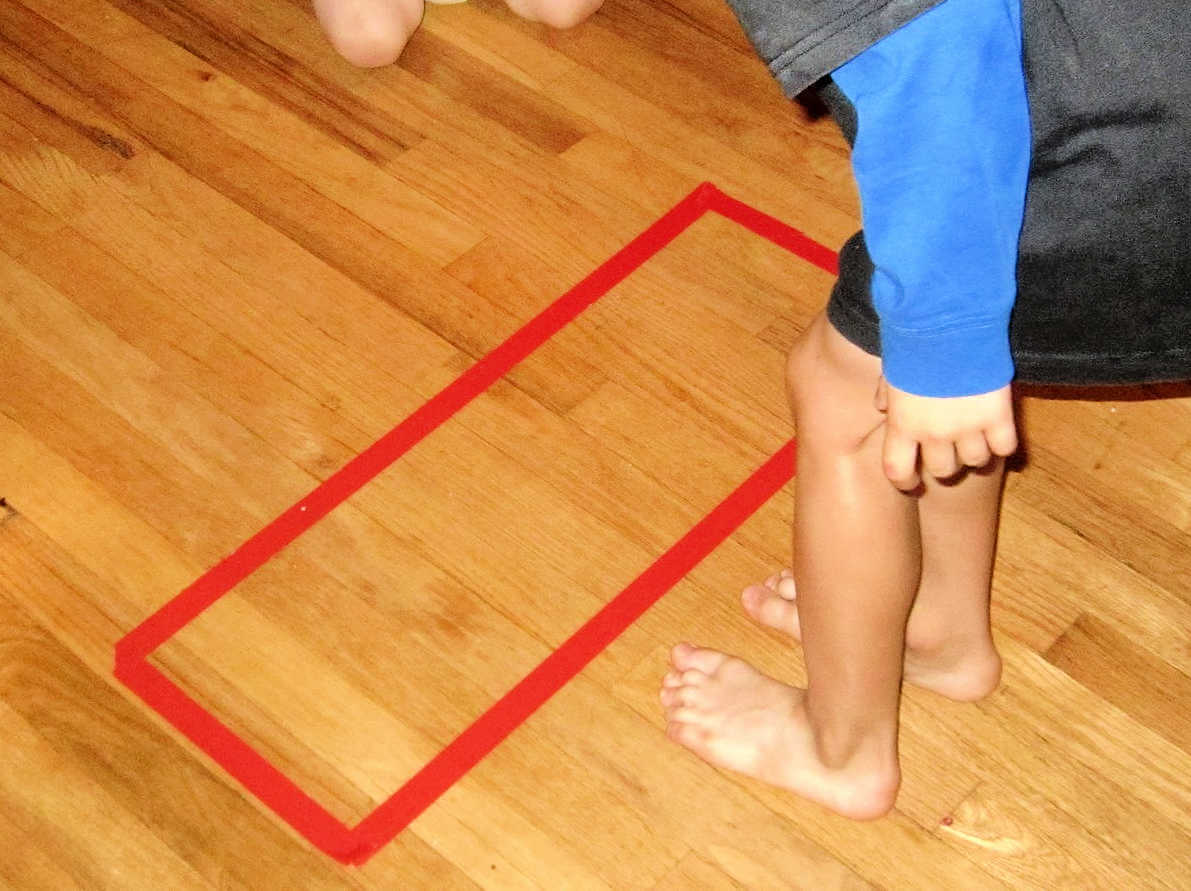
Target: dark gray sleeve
point(802, 40)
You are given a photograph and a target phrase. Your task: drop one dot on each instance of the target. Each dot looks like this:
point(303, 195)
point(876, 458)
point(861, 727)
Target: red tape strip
point(308, 817)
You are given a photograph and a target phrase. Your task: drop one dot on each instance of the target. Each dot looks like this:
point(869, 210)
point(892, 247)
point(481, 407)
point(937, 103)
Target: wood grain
point(229, 262)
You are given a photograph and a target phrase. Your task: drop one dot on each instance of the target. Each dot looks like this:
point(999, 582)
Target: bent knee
point(369, 33)
point(821, 356)
point(802, 365)
point(831, 383)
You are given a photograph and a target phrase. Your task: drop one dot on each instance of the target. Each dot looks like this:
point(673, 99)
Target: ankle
point(947, 641)
point(869, 745)
point(866, 760)
point(966, 668)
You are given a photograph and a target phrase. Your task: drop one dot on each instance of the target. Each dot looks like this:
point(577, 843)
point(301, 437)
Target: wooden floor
point(229, 262)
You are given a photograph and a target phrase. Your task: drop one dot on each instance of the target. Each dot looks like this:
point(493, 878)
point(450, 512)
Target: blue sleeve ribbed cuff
point(924, 362)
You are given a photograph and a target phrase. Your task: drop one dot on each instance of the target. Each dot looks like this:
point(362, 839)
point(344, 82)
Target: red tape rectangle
point(310, 819)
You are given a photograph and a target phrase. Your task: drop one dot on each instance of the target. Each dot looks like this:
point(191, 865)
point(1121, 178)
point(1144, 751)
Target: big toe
point(684, 657)
point(786, 575)
point(771, 608)
point(693, 737)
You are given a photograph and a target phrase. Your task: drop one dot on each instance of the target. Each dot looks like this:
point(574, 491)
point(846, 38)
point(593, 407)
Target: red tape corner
point(262, 779)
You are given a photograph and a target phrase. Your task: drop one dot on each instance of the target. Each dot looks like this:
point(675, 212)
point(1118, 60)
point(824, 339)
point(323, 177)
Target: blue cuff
point(923, 362)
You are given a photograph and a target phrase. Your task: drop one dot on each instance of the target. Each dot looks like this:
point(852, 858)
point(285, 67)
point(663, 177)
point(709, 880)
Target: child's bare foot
point(555, 13)
point(369, 33)
point(958, 668)
point(731, 715)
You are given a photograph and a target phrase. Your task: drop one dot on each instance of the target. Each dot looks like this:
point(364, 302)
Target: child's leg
point(369, 33)
point(857, 561)
point(949, 646)
point(555, 13)
point(949, 637)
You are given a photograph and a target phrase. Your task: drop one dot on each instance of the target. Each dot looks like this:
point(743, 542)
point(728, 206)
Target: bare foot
point(728, 713)
point(960, 669)
point(555, 13)
point(369, 33)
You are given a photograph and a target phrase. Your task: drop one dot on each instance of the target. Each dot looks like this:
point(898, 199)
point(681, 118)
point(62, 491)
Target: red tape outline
point(308, 817)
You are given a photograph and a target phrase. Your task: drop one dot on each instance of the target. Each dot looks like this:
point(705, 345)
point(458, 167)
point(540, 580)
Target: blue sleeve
point(941, 159)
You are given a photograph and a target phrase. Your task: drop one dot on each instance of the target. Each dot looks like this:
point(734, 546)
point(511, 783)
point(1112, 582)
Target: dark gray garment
point(802, 41)
point(1104, 262)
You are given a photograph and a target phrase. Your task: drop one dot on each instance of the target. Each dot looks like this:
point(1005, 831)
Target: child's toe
point(685, 657)
point(693, 737)
point(786, 588)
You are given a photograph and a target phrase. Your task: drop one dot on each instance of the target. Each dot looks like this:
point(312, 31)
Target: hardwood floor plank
point(1121, 671)
point(399, 343)
point(503, 100)
point(505, 273)
point(1025, 839)
point(1136, 537)
point(1157, 415)
point(1046, 735)
point(291, 27)
point(141, 569)
point(695, 872)
point(54, 409)
point(57, 118)
point(623, 169)
point(281, 78)
point(935, 777)
point(458, 175)
point(229, 261)
point(1049, 580)
point(176, 794)
point(528, 59)
point(180, 522)
point(102, 741)
point(306, 426)
point(48, 177)
point(722, 626)
point(706, 82)
point(1122, 466)
point(255, 183)
point(96, 839)
point(789, 192)
point(300, 147)
point(409, 858)
point(25, 224)
point(757, 867)
point(777, 284)
point(26, 866)
point(165, 412)
point(656, 790)
point(333, 739)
